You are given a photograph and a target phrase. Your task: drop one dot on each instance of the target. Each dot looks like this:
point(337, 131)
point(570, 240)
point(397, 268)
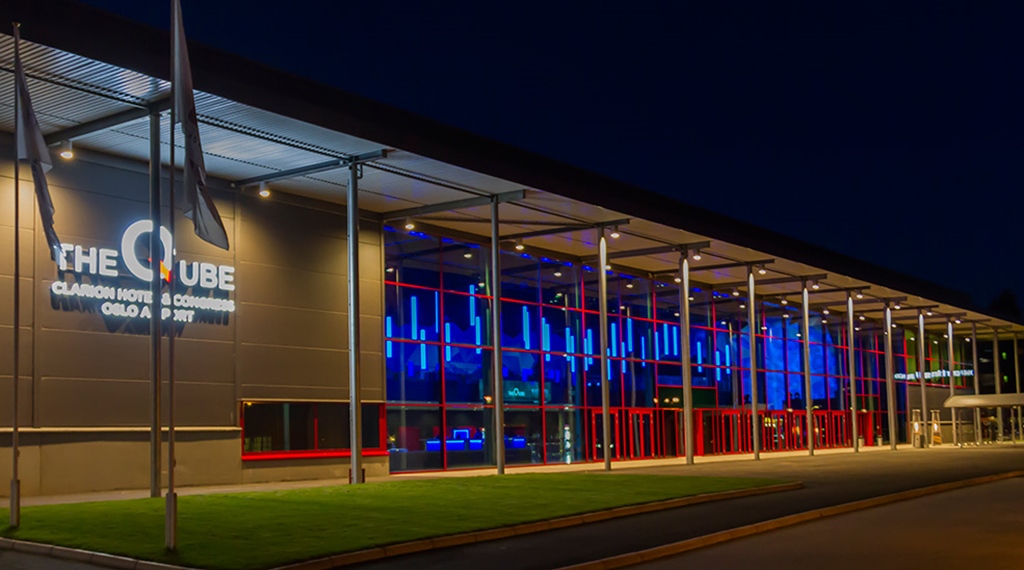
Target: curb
point(86, 556)
point(125, 563)
point(680, 547)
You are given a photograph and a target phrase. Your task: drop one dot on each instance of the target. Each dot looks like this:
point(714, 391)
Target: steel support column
point(922, 363)
point(602, 301)
point(977, 384)
point(755, 416)
point(1016, 376)
point(999, 382)
point(890, 382)
point(809, 401)
point(496, 366)
point(684, 353)
point(952, 378)
point(355, 415)
point(851, 365)
point(156, 312)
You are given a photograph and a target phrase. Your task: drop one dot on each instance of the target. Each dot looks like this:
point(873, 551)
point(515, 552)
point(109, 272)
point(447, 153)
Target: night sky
point(891, 132)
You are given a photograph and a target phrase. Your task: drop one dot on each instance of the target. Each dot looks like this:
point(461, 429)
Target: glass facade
point(439, 354)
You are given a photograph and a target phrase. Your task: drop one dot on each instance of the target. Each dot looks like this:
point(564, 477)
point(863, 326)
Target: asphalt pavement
point(828, 480)
point(975, 527)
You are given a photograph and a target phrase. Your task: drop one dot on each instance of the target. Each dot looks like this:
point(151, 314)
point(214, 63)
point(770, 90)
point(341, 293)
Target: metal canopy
point(984, 401)
point(101, 106)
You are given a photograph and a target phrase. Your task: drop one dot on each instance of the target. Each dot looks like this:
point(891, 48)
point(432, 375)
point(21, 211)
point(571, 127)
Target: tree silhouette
point(1005, 304)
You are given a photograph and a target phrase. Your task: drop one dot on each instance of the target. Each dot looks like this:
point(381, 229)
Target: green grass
point(267, 529)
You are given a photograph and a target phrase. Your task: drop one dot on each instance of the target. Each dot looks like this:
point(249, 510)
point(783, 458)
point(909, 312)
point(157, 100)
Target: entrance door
point(597, 435)
point(640, 434)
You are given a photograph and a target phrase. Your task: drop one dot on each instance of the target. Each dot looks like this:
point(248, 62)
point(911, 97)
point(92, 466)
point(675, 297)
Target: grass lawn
point(267, 529)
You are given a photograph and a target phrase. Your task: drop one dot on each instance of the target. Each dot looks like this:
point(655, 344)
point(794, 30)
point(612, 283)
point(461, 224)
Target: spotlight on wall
point(824, 321)
point(629, 285)
point(859, 295)
point(615, 232)
point(856, 328)
point(557, 273)
point(678, 279)
point(928, 313)
point(519, 245)
point(677, 313)
point(264, 191)
point(735, 292)
point(825, 311)
point(690, 298)
point(761, 270)
point(696, 255)
point(784, 301)
point(468, 255)
point(785, 316)
point(896, 306)
point(389, 270)
point(815, 286)
point(861, 317)
point(409, 225)
point(957, 321)
point(481, 284)
point(66, 151)
point(743, 306)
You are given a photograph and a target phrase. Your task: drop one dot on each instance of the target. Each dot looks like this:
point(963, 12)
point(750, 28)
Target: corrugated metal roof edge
point(61, 24)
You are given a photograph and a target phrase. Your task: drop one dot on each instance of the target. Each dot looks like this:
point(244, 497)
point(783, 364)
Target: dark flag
point(199, 206)
point(32, 149)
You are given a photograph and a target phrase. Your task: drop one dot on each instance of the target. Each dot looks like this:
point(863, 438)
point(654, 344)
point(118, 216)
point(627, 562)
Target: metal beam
point(454, 205)
point(683, 247)
point(869, 301)
point(838, 290)
point(777, 281)
point(568, 228)
point(291, 173)
point(108, 122)
point(463, 220)
point(730, 265)
point(932, 316)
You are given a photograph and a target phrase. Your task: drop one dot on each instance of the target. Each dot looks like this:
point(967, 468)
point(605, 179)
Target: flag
point(199, 206)
point(32, 149)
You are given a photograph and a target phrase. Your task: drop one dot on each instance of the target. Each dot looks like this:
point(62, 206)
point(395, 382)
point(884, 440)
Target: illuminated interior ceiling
point(104, 109)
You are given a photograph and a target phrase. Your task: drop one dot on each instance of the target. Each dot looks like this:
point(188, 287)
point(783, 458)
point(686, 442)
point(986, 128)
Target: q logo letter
point(131, 259)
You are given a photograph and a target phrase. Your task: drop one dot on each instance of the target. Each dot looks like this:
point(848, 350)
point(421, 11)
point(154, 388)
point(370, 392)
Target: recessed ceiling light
point(615, 232)
point(409, 225)
point(519, 245)
point(557, 274)
point(67, 152)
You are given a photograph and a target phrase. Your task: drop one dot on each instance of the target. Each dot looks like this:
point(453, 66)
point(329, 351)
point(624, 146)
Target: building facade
point(775, 344)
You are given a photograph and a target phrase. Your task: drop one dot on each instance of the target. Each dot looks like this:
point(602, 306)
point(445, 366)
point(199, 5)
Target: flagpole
point(15, 502)
point(171, 514)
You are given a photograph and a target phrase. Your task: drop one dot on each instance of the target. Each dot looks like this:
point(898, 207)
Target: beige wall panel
point(69, 354)
point(89, 465)
point(75, 402)
point(282, 326)
point(7, 253)
point(24, 353)
point(208, 458)
point(7, 301)
point(28, 462)
point(269, 285)
point(332, 468)
point(337, 392)
point(27, 207)
point(204, 362)
point(284, 366)
point(369, 262)
point(291, 241)
point(7, 396)
point(205, 405)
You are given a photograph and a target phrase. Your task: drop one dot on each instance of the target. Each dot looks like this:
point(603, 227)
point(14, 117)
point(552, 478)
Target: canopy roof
point(96, 77)
point(985, 401)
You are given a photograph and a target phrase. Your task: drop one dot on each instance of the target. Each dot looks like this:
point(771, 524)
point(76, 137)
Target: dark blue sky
point(890, 132)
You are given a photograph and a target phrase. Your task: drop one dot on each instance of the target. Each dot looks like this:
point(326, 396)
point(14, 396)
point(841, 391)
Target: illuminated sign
point(204, 286)
point(930, 375)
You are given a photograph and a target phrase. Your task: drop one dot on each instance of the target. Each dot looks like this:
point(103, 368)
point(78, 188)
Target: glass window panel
point(414, 438)
point(413, 371)
point(467, 375)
